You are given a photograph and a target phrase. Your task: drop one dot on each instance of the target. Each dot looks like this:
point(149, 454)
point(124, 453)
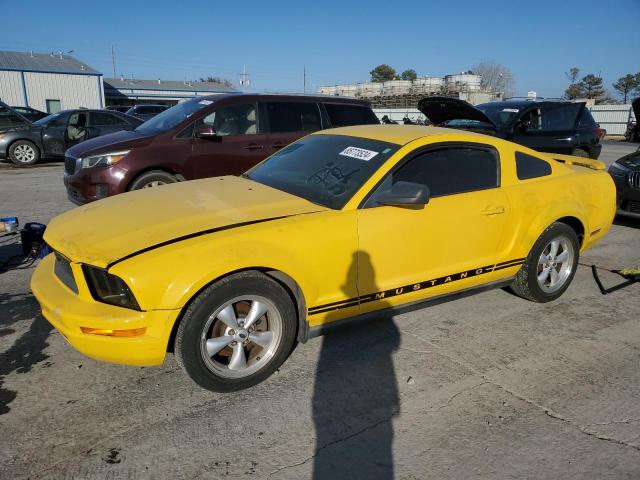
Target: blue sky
point(338, 42)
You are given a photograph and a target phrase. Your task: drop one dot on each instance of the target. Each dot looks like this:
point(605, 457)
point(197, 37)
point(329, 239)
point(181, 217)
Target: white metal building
point(49, 82)
point(124, 91)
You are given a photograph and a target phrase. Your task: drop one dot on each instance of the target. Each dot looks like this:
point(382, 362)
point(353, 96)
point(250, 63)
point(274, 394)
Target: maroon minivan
point(203, 137)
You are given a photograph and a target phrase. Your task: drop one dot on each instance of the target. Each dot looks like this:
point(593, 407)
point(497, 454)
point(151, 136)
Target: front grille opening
point(69, 165)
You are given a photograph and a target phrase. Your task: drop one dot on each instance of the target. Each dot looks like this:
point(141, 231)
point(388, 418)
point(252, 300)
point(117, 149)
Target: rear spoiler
point(580, 161)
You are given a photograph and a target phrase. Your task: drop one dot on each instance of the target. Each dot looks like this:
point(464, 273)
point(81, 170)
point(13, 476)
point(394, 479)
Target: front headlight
point(617, 169)
point(103, 160)
point(108, 288)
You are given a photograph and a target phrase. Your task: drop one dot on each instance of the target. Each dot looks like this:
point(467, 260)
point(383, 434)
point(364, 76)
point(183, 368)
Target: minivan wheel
point(24, 153)
point(550, 266)
point(237, 332)
point(579, 152)
point(154, 178)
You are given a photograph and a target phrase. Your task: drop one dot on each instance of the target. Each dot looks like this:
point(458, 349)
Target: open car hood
point(635, 105)
point(443, 109)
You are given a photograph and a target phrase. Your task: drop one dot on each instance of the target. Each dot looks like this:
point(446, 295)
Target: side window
point(293, 117)
point(531, 121)
point(234, 120)
point(343, 115)
point(101, 119)
point(449, 170)
point(528, 166)
point(186, 132)
point(559, 117)
point(586, 119)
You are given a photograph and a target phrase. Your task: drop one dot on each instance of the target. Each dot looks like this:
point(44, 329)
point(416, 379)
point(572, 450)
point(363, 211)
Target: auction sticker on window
point(358, 153)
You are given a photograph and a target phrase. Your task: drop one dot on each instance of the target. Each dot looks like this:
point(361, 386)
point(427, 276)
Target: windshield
point(168, 119)
point(324, 169)
point(499, 113)
point(43, 122)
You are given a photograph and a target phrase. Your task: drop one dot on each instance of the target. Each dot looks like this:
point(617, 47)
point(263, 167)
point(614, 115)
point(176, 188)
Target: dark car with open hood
point(25, 143)
point(203, 137)
point(626, 175)
point(554, 126)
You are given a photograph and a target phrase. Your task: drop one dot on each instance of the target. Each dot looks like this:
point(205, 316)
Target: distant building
point(51, 82)
point(48, 81)
point(124, 91)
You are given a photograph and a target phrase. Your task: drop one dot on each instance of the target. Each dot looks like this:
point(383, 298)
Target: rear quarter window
point(528, 166)
point(342, 115)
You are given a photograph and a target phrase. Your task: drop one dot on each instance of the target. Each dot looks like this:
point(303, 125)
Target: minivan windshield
point(168, 119)
point(324, 169)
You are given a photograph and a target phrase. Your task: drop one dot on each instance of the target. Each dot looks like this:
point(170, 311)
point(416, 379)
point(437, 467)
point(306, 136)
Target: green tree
point(409, 74)
point(573, 91)
point(626, 85)
point(592, 86)
point(383, 73)
point(572, 74)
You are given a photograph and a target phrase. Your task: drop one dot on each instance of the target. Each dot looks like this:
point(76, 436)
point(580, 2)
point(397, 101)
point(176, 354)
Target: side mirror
point(207, 132)
point(405, 194)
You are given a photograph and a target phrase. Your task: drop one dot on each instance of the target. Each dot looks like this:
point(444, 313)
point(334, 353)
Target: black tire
point(24, 153)
point(194, 327)
point(153, 178)
point(579, 152)
point(526, 283)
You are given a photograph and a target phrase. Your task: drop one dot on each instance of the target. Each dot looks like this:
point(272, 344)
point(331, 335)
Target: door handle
point(493, 210)
point(253, 146)
point(279, 145)
point(568, 139)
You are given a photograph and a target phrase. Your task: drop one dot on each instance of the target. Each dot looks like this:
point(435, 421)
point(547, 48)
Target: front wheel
point(154, 178)
point(550, 266)
point(24, 153)
point(237, 332)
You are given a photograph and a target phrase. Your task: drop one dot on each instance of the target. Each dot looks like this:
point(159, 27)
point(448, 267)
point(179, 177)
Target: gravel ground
point(490, 386)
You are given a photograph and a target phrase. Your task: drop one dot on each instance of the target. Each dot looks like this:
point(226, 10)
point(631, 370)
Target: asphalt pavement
point(489, 386)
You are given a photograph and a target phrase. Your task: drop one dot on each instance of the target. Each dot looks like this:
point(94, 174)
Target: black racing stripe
point(194, 235)
point(321, 309)
point(508, 266)
point(349, 300)
point(517, 260)
point(413, 287)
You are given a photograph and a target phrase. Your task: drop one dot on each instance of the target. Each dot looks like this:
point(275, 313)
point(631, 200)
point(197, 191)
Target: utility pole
point(244, 77)
point(304, 78)
point(113, 61)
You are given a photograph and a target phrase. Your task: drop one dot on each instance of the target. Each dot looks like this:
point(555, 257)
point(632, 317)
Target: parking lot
point(490, 386)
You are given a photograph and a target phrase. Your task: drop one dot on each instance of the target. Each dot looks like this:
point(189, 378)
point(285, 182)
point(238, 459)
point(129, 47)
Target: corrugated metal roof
point(124, 83)
point(43, 62)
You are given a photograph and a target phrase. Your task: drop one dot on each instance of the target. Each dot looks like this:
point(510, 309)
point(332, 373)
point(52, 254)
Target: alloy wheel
point(24, 153)
point(555, 264)
point(241, 336)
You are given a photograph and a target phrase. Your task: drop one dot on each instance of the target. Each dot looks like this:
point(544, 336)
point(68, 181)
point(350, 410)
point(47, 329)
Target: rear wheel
point(154, 178)
point(237, 332)
point(550, 266)
point(579, 152)
point(24, 153)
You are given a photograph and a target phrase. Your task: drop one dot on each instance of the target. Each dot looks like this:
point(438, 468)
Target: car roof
point(520, 103)
point(398, 134)
point(285, 96)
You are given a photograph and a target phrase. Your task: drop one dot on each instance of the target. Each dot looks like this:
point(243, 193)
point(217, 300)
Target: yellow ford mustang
point(231, 272)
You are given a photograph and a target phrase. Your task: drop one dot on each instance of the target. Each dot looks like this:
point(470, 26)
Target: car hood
point(104, 232)
point(442, 109)
point(123, 140)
